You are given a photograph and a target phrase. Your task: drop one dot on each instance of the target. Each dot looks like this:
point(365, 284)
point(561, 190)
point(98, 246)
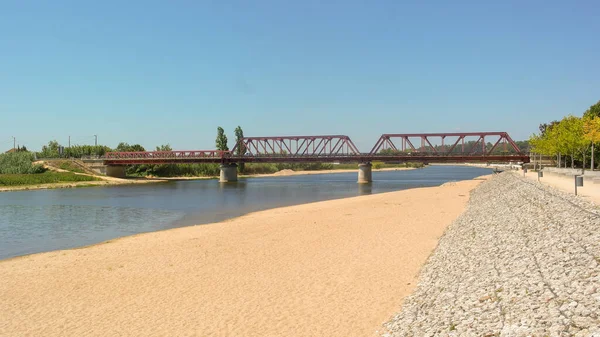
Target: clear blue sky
point(156, 72)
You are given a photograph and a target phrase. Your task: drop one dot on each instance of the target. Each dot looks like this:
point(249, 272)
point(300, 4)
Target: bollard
point(524, 171)
point(578, 182)
point(540, 175)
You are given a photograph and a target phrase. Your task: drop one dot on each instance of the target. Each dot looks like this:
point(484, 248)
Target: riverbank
point(105, 181)
point(110, 181)
point(523, 260)
point(333, 268)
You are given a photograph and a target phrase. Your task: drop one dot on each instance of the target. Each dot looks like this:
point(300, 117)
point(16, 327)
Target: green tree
point(240, 147)
point(165, 147)
point(593, 111)
point(571, 137)
point(547, 141)
point(221, 141)
point(591, 132)
point(124, 147)
point(546, 126)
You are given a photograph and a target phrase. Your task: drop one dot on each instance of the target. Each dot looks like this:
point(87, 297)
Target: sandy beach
point(333, 268)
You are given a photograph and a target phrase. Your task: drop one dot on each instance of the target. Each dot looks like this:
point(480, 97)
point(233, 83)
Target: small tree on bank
point(221, 141)
point(240, 147)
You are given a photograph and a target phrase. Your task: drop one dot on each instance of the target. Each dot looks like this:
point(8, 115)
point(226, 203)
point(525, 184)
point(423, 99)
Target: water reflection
point(364, 189)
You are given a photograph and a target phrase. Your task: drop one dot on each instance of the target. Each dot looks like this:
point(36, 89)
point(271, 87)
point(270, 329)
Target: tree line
point(571, 140)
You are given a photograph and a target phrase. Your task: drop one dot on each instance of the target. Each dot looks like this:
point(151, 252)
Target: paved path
point(589, 191)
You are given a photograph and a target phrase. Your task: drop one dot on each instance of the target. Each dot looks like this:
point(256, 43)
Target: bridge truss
point(425, 147)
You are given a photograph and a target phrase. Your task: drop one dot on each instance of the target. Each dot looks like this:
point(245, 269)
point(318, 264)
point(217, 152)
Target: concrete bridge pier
point(365, 174)
point(228, 173)
point(115, 171)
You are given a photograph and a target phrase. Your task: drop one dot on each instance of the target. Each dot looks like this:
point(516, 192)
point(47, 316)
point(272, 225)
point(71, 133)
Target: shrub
point(19, 163)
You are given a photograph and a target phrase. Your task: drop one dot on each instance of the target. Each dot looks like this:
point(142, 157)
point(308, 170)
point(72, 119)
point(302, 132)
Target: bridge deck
point(410, 147)
point(312, 159)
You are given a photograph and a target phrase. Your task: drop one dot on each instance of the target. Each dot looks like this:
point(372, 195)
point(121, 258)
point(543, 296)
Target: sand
point(288, 172)
point(588, 191)
point(333, 268)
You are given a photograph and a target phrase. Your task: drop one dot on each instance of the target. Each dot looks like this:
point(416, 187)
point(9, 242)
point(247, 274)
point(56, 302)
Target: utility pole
point(96, 145)
point(14, 143)
point(69, 142)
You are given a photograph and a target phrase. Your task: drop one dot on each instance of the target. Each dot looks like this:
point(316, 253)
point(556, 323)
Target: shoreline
point(110, 181)
point(305, 257)
point(82, 184)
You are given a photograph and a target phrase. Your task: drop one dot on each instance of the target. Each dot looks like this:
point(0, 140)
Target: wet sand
point(332, 268)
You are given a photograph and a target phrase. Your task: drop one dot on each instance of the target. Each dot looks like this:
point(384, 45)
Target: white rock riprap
point(523, 260)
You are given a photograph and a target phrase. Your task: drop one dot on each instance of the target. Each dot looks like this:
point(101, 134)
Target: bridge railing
point(209, 154)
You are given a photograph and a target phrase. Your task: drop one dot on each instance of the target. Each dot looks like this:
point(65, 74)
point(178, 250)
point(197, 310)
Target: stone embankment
point(522, 260)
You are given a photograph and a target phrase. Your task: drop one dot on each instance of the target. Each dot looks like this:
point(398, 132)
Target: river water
point(44, 220)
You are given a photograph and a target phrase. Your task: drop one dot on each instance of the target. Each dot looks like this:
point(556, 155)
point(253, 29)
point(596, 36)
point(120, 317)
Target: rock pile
point(523, 260)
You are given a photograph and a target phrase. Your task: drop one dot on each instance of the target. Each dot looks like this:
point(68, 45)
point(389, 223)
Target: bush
point(75, 151)
point(43, 178)
point(174, 170)
point(19, 163)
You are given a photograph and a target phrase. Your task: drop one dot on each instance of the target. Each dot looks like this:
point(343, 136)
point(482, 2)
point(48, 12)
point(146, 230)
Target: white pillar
point(365, 175)
point(228, 173)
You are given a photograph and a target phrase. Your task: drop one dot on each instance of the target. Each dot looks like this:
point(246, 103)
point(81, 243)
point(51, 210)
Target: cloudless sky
point(157, 72)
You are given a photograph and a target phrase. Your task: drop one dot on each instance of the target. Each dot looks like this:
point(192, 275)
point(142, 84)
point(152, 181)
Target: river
point(45, 220)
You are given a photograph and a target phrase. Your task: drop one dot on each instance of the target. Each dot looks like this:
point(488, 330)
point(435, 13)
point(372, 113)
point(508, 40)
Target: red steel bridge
point(413, 147)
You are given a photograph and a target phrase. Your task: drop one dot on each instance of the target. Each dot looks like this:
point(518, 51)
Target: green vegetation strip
point(42, 178)
point(70, 166)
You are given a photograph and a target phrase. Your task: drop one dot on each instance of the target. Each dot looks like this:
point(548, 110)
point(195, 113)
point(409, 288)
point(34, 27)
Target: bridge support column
point(115, 171)
point(228, 173)
point(365, 175)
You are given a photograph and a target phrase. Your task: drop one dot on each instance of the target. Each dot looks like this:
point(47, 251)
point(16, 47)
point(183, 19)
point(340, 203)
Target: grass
point(42, 178)
point(70, 166)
